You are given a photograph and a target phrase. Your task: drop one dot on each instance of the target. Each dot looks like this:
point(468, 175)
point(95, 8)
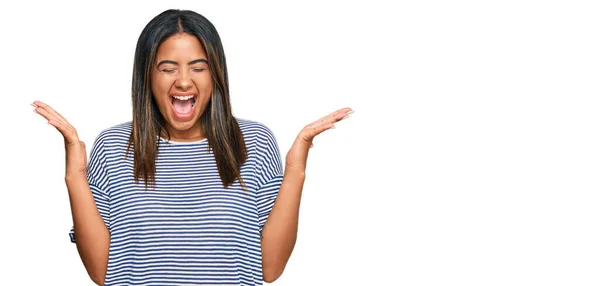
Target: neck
point(194, 133)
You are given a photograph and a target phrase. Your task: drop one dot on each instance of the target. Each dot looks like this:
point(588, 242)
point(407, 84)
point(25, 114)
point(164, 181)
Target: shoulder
point(255, 131)
point(117, 135)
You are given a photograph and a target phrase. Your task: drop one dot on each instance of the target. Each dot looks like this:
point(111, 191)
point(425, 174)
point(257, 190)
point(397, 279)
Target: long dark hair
point(220, 127)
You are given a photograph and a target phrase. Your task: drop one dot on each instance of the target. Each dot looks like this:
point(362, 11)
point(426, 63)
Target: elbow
point(95, 263)
point(96, 272)
point(270, 274)
point(275, 257)
point(98, 279)
point(97, 275)
point(270, 277)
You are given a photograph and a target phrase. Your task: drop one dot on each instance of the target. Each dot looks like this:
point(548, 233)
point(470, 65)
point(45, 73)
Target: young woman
point(185, 193)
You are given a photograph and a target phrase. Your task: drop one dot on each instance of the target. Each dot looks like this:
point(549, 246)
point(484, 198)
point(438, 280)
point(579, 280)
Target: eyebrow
point(176, 63)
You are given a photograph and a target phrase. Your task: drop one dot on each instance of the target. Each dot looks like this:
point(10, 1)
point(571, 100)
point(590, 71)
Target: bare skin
point(281, 229)
point(179, 70)
point(91, 235)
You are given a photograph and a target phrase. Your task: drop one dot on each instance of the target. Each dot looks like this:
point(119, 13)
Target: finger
point(59, 126)
point(50, 110)
point(43, 112)
point(347, 114)
point(333, 117)
point(310, 132)
point(69, 134)
point(50, 116)
point(346, 109)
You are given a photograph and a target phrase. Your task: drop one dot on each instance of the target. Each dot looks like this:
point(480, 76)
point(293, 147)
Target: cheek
point(204, 82)
point(205, 89)
point(160, 85)
point(158, 92)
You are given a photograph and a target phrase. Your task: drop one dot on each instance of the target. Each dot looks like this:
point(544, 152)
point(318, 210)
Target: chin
point(182, 126)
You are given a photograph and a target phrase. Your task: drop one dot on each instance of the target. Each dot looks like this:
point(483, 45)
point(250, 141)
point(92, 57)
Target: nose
point(184, 81)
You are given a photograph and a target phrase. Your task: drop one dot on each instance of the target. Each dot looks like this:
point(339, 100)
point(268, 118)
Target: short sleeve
point(270, 174)
point(98, 180)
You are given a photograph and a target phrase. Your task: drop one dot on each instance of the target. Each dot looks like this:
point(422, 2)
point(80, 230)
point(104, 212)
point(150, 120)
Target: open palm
point(298, 154)
point(76, 158)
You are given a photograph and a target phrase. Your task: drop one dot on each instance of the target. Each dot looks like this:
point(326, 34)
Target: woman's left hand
point(298, 154)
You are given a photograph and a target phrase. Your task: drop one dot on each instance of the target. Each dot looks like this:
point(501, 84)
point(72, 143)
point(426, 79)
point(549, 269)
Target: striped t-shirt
point(189, 229)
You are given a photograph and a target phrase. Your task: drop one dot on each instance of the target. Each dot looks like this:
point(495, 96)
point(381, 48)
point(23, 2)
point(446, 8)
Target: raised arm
point(281, 229)
point(91, 234)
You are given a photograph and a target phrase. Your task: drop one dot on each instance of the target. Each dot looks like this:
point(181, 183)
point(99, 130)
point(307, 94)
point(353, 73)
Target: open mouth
point(183, 104)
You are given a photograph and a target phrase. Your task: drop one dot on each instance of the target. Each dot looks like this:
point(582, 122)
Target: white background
point(473, 157)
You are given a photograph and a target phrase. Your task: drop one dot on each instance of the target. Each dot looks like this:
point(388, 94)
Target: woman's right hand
point(76, 157)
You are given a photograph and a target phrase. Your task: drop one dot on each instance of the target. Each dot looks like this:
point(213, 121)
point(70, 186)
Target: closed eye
point(168, 70)
point(198, 70)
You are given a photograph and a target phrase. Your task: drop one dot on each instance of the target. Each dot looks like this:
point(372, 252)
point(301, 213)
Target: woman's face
point(182, 84)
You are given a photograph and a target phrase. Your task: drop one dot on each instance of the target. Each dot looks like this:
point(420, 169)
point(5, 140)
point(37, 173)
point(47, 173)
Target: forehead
point(183, 46)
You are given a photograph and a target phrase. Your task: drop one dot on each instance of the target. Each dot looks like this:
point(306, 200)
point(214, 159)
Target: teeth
point(184, 97)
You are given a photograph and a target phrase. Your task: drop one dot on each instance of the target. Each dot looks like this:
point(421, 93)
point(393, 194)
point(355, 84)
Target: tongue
point(183, 106)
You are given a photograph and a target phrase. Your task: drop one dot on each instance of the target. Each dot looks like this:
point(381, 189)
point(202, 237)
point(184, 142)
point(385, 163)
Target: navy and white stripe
point(188, 230)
